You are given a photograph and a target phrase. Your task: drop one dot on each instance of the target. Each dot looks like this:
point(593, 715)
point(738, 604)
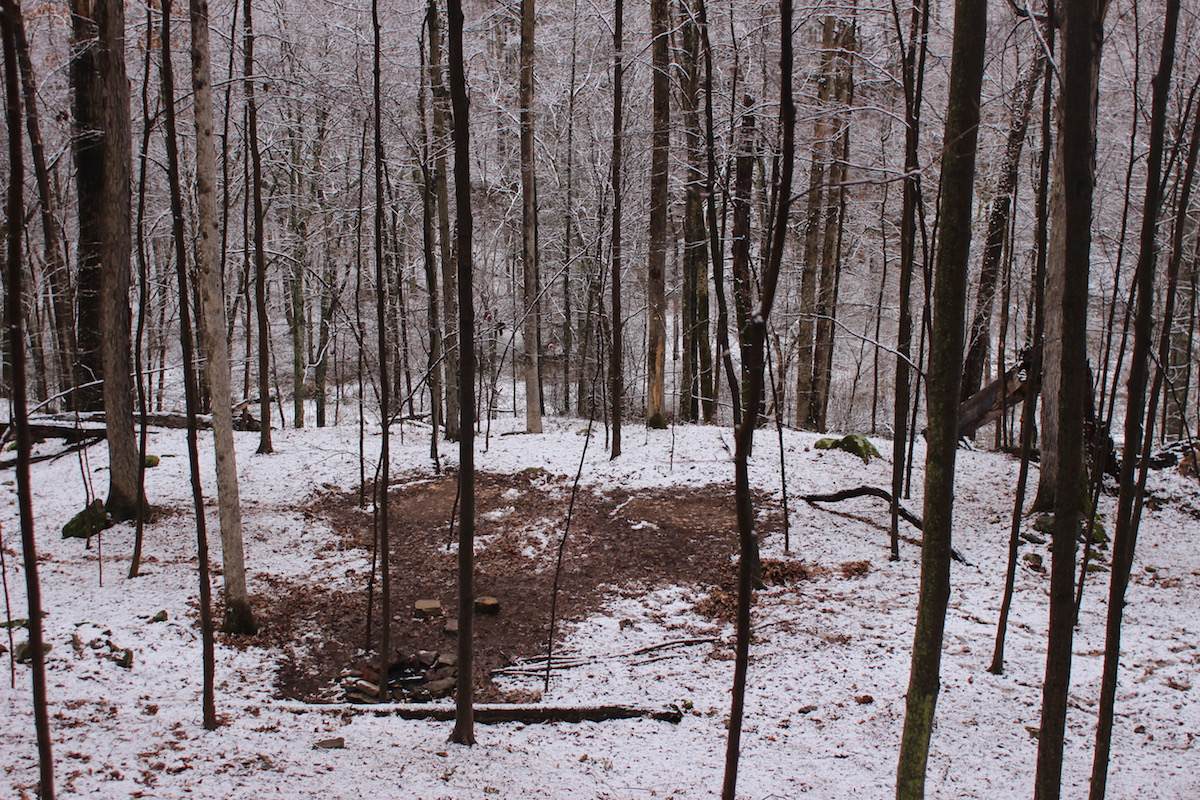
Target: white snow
point(825, 700)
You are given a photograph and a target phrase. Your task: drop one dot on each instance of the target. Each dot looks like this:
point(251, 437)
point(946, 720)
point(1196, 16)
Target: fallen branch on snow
point(883, 494)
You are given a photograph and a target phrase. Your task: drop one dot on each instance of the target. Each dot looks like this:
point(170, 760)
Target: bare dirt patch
point(619, 542)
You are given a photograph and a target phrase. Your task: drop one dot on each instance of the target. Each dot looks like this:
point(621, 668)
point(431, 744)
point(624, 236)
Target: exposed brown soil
point(617, 543)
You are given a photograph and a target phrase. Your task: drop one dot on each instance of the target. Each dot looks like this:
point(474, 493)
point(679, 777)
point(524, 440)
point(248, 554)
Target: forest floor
point(644, 602)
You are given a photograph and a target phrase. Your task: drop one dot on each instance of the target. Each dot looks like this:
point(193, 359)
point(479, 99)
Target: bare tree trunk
point(191, 389)
point(616, 348)
point(756, 377)
point(914, 83)
point(441, 143)
point(429, 245)
point(385, 386)
point(715, 232)
point(979, 338)
point(239, 617)
point(260, 256)
point(842, 76)
point(464, 723)
point(529, 226)
point(1069, 308)
point(10, 22)
point(812, 229)
point(1139, 424)
point(739, 248)
point(102, 163)
point(1029, 407)
point(945, 375)
point(52, 243)
point(696, 386)
point(1052, 381)
point(656, 352)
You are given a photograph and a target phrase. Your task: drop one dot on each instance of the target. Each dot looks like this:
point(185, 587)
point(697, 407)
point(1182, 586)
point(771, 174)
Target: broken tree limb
point(882, 494)
point(864, 491)
point(991, 401)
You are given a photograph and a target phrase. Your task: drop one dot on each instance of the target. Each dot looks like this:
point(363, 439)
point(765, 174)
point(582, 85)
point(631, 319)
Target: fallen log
point(74, 447)
point(883, 494)
point(496, 713)
point(77, 426)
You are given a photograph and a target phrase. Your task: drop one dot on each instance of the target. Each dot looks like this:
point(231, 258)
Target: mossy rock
point(1044, 523)
point(87, 523)
point(151, 461)
point(24, 652)
point(854, 443)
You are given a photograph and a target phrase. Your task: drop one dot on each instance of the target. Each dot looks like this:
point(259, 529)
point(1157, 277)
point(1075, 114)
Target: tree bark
point(660, 138)
point(616, 347)
point(744, 432)
point(464, 722)
point(239, 618)
point(441, 144)
point(1138, 424)
point(914, 82)
point(260, 256)
point(945, 375)
point(979, 339)
point(102, 162)
point(1068, 365)
point(52, 244)
point(696, 386)
point(812, 229)
point(10, 22)
point(529, 226)
point(739, 247)
point(191, 389)
point(1052, 380)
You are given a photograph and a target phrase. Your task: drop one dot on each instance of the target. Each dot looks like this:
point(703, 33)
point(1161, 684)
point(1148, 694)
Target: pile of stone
point(417, 678)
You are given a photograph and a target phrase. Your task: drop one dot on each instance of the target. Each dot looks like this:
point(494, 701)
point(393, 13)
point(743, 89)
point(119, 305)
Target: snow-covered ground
point(829, 668)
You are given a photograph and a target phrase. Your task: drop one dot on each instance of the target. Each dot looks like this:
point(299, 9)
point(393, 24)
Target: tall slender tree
point(660, 138)
point(913, 70)
point(756, 333)
point(446, 256)
point(464, 722)
point(239, 618)
point(616, 347)
point(1138, 424)
point(385, 386)
point(260, 254)
point(14, 310)
point(191, 388)
point(696, 384)
point(945, 373)
point(53, 249)
point(529, 227)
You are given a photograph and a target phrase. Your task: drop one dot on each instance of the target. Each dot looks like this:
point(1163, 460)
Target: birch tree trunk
point(239, 617)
